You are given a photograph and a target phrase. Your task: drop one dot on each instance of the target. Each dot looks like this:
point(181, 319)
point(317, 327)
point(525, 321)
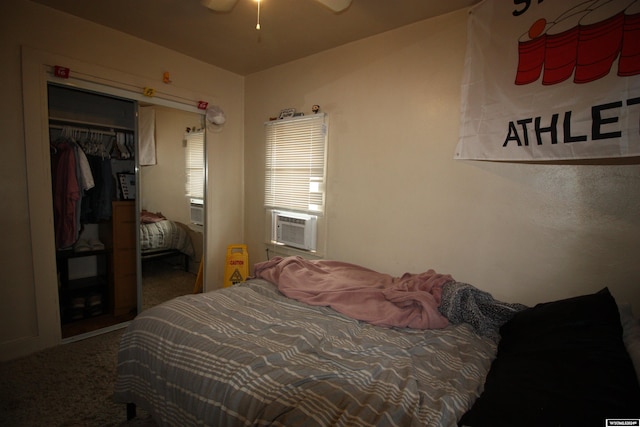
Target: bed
point(162, 238)
point(287, 348)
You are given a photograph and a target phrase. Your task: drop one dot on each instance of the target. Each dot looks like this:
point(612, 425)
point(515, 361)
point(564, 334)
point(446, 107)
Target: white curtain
point(147, 128)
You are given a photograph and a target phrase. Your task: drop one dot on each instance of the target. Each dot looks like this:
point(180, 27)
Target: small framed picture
point(287, 112)
point(127, 185)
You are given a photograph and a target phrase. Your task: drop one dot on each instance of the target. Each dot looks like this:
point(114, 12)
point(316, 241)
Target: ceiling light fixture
point(258, 23)
point(336, 6)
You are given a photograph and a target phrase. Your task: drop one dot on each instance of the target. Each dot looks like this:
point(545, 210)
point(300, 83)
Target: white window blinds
point(295, 164)
point(194, 157)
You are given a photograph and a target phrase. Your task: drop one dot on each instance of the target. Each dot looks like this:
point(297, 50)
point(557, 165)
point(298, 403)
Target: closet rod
point(72, 122)
point(87, 130)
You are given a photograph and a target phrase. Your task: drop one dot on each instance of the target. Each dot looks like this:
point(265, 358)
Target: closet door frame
point(37, 73)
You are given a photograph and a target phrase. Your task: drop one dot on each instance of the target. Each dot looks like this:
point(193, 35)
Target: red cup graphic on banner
point(561, 50)
point(584, 42)
point(530, 59)
point(599, 41)
point(629, 62)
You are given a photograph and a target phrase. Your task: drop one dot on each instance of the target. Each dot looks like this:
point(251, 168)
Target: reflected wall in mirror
point(171, 239)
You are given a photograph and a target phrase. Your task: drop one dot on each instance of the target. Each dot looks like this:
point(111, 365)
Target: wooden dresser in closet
point(124, 289)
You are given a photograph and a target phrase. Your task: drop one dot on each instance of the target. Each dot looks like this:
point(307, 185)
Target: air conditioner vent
point(296, 230)
point(197, 211)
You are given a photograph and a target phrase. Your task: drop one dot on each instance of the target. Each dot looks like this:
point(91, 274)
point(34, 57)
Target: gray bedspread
point(247, 355)
point(163, 235)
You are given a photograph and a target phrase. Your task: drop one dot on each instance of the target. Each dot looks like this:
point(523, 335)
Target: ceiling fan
point(227, 5)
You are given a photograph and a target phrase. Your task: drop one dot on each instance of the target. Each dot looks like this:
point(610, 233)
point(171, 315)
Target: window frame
point(296, 164)
point(195, 164)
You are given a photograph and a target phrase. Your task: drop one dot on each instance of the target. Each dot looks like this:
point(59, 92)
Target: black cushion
point(561, 363)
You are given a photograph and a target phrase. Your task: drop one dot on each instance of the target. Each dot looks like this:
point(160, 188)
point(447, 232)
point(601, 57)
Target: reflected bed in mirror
point(167, 252)
point(171, 244)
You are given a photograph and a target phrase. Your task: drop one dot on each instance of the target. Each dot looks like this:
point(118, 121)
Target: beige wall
point(398, 202)
point(28, 291)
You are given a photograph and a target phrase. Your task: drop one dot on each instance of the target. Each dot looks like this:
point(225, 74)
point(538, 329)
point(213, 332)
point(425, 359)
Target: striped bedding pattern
point(247, 355)
point(163, 235)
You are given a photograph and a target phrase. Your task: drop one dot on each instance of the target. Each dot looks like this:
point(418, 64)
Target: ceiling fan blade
point(336, 5)
point(219, 5)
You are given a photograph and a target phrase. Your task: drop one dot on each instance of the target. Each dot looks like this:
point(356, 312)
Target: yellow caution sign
point(198, 287)
point(237, 265)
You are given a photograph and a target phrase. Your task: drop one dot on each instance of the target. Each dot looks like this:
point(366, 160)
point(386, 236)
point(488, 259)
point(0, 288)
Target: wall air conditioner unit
point(294, 229)
point(197, 211)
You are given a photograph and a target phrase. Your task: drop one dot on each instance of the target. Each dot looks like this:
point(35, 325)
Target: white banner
point(551, 80)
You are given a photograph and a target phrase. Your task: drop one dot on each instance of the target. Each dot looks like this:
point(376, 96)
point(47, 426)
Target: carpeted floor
point(162, 281)
point(72, 384)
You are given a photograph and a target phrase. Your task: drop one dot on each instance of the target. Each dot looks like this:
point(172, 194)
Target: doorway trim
point(36, 74)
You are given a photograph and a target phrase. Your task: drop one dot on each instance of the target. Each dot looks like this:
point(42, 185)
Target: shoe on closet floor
point(94, 300)
point(82, 245)
point(96, 311)
point(76, 314)
point(95, 244)
point(78, 302)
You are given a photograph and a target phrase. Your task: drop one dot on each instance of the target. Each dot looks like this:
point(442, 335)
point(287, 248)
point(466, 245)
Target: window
point(194, 157)
point(295, 164)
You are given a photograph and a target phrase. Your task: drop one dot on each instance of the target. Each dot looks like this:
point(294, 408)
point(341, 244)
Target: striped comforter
point(163, 235)
point(247, 355)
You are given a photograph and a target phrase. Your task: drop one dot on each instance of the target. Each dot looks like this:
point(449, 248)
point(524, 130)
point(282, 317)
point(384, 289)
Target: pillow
point(561, 363)
point(147, 217)
point(631, 335)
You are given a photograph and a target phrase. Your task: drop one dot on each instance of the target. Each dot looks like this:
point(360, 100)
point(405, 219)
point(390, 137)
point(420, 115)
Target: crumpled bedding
point(464, 303)
point(427, 300)
point(360, 293)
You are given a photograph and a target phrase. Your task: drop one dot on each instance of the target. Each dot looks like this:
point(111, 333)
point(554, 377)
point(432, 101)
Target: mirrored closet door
point(171, 177)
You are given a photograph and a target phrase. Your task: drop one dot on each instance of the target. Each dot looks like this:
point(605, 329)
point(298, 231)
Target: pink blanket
point(408, 301)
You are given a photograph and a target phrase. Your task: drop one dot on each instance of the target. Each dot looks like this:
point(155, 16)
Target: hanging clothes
point(82, 178)
point(66, 194)
point(84, 171)
point(96, 203)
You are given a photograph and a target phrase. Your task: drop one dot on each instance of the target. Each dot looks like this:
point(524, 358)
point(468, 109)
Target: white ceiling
point(290, 29)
